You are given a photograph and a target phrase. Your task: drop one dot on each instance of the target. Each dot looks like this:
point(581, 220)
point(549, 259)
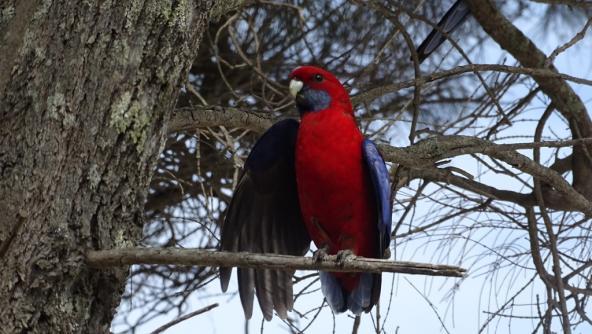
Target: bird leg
point(344, 255)
point(320, 254)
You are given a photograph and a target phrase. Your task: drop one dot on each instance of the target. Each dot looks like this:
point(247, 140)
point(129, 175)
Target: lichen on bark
point(131, 117)
point(86, 89)
point(223, 7)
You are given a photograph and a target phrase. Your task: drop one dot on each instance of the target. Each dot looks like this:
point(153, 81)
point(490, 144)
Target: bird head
point(316, 89)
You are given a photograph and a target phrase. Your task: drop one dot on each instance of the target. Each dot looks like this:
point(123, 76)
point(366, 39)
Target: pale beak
point(295, 87)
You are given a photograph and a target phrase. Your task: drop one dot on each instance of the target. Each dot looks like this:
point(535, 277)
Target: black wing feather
point(452, 19)
point(264, 217)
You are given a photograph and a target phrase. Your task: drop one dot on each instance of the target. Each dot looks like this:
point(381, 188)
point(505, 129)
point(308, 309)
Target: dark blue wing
point(369, 286)
point(264, 217)
point(382, 192)
point(452, 19)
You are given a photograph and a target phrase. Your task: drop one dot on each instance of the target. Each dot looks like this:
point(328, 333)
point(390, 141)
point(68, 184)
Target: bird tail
point(362, 298)
point(452, 19)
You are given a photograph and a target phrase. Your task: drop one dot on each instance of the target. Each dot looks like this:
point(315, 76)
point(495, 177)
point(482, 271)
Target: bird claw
point(344, 255)
point(319, 254)
point(386, 254)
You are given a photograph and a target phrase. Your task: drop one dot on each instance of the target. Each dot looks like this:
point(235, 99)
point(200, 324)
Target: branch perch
point(198, 257)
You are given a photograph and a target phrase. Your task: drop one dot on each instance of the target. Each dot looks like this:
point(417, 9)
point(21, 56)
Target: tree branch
point(564, 98)
point(203, 117)
point(425, 153)
point(526, 52)
point(197, 257)
point(374, 93)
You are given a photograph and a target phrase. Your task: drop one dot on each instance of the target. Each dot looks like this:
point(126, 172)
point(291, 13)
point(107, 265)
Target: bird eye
point(318, 77)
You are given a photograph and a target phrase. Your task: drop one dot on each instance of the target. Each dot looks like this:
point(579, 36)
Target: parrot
point(318, 179)
point(453, 18)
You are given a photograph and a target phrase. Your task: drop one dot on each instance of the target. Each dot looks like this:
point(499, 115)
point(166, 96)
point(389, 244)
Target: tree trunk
point(86, 90)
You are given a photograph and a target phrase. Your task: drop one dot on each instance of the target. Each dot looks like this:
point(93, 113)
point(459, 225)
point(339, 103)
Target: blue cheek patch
point(312, 100)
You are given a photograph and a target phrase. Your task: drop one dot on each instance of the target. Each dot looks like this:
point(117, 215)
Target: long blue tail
point(362, 298)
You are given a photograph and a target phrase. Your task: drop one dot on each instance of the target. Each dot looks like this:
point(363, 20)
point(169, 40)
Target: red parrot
point(318, 179)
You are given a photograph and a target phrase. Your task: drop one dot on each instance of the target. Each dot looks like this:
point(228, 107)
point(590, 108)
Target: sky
point(419, 304)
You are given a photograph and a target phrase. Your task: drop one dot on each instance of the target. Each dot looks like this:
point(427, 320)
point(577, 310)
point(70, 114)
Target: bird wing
point(379, 177)
point(452, 19)
point(264, 217)
point(380, 182)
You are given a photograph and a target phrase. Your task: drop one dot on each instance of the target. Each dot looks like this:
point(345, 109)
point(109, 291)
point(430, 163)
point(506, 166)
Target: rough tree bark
point(86, 89)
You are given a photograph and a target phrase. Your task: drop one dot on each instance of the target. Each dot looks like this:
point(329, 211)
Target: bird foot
point(386, 254)
point(320, 254)
point(344, 255)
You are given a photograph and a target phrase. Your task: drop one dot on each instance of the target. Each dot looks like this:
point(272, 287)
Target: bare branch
point(578, 37)
point(203, 117)
point(371, 94)
point(426, 152)
point(564, 98)
point(197, 257)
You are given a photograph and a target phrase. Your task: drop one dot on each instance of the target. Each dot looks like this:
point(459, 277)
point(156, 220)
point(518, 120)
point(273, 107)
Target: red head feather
point(316, 78)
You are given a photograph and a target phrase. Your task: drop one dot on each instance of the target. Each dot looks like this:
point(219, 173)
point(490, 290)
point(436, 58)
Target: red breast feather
point(333, 186)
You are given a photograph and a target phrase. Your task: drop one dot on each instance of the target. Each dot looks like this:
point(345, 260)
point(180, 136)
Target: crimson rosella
point(315, 179)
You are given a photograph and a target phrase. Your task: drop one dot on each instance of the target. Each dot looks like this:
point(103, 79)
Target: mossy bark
point(86, 90)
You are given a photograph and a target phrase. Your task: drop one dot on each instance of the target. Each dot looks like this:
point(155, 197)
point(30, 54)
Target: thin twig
point(432, 306)
point(183, 318)
point(356, 325)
